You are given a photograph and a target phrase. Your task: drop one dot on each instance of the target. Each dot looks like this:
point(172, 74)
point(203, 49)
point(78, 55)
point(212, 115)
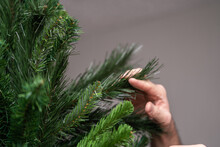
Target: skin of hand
point(153, 101)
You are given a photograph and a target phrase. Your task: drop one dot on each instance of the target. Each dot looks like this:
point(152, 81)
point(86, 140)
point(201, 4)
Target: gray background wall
point(185, 35)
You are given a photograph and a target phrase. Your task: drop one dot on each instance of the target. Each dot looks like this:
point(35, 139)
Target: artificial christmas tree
point(40, 107)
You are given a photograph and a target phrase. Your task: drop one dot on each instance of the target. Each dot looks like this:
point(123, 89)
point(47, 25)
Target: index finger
point(146, 86)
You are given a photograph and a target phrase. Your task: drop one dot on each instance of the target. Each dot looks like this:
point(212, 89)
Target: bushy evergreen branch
point(6, 95)
point(58, 42)
point(141, 123)
point(140, 142)
point(84, 105)
point(116, 87)
point(38, 108)
point(116, 62)
point(87, 98)
point(9, 10)
point(118, 137)
point(28, 24)
point(77, 133)
point(115, 84)
point(26, 113)
point(105, 124)
point(59, 33)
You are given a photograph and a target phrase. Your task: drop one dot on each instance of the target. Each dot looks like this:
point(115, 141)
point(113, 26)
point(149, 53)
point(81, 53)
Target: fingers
point(154, 91)
point(197, 145)
point(158, 114)
point(131, 73)
point(141, 84)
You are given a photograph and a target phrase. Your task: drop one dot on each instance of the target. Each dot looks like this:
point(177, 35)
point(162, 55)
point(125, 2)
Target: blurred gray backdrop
point(184, 34)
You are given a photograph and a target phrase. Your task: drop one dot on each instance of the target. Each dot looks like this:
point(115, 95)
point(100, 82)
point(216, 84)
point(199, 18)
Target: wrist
point(168, 137)
point(170, 129)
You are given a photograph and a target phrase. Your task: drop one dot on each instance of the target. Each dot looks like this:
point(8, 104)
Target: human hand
point(152, 100)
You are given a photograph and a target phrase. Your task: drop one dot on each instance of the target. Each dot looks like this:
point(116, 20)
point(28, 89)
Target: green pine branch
point(140, 142)
point(38, 106)
point(115, 85)
point(142, 124)
point(6, 95)
point(59, 38)
point(105, 124)
point(84, 105)
point(118, 137)
point(9, 10)
point(87, 99)
point(26, 113)
point(116, 62)
point(121, 137)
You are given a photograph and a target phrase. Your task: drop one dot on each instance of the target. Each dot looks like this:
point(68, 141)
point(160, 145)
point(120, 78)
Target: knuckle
point(154, 112)
point(160, 86)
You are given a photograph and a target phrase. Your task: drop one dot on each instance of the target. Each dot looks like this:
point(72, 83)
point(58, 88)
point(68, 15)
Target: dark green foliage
point(140, 142)
point(6, 95)
point(142, 123)
point(101, 134)
point(26, 113)
point(39, 106)
point(116, 62)
point(86, 103)
point(114, 84)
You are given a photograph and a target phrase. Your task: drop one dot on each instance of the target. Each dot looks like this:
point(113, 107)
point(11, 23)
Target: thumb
point(157, 114)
